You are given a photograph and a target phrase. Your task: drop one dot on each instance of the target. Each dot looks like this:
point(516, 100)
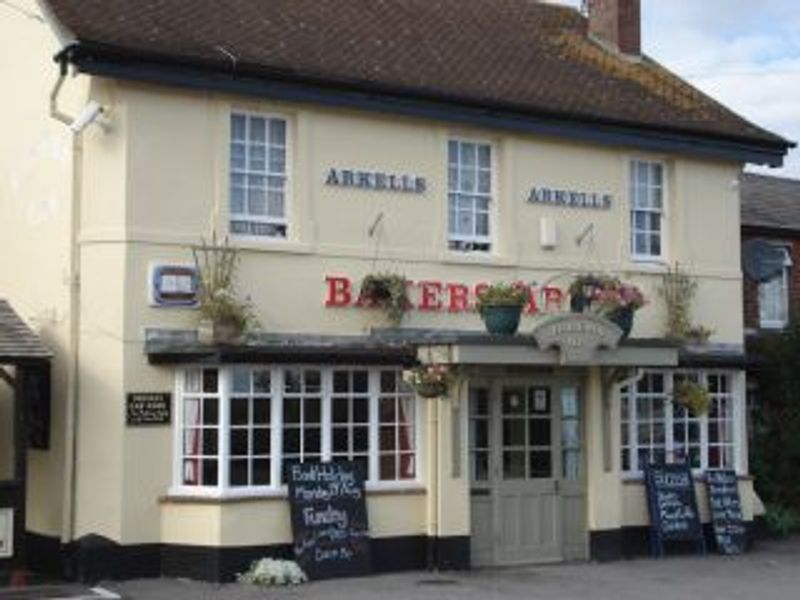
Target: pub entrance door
point(527, 474)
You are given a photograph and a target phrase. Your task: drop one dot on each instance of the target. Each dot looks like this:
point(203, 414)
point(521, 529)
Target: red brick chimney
point(617, 24)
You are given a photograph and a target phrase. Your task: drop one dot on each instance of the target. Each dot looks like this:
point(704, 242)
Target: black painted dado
point(95, 558)
point(633, 542)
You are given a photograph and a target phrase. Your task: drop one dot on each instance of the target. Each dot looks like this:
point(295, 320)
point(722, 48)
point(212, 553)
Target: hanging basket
point(501, 319)
point(622, 318)
point(693, 397)
point(431, 389)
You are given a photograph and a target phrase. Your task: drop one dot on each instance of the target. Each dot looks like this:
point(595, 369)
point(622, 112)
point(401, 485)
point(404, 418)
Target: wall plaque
point(577, 336)
point(6, 533)
point(143, 409)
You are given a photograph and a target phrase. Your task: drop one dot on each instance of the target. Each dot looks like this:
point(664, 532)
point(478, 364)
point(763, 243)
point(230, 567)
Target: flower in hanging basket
point(430, 381)
point(500, 306)
point(692, 396)
point(389, 292)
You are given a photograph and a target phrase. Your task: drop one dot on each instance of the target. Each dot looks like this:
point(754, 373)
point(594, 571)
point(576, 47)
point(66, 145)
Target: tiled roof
point(17, 340)
point(770, 202)
point(520, 55)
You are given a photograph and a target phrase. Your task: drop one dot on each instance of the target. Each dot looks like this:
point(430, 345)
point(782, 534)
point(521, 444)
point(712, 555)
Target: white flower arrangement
point(270, 571)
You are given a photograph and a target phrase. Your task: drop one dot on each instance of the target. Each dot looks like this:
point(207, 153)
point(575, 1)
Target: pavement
point(771, 572)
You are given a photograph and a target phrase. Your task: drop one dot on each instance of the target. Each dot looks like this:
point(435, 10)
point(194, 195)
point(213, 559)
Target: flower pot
point(501, 319)
point(431, 389)
point(622, 318)
point(226, 332)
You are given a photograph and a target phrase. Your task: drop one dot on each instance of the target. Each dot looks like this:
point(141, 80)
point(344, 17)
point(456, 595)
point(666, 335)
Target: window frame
point(735, 395)
point(786, 281)
point(493, 199)
point(633, 209)
point(277, 488)
point(286, 220)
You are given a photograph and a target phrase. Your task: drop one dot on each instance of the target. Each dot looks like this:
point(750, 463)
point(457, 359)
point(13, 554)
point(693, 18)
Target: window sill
point(699, 477)
point(650, 263)
point(183, 496)
point(268, 244)
point(475, 258)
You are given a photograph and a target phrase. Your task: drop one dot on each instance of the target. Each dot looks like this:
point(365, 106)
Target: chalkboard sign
point(726, 511)
point(672, 504)
point(148, 409)
point(329, 519)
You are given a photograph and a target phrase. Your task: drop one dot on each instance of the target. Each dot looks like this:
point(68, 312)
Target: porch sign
point(6, 533)
point(577, 336)
point(329, 519)
point(726, 511)
point(672, 504)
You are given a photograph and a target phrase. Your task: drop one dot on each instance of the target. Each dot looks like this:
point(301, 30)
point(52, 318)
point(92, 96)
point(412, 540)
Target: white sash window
point(773, 297)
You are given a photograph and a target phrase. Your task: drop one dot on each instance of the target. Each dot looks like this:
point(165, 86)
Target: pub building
point(458, 144)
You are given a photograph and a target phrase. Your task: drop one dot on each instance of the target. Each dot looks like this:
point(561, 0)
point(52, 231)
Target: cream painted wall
point(157, 182)
point(36, 155)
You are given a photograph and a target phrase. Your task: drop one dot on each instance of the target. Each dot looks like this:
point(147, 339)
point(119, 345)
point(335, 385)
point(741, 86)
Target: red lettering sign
point(339, 292)
point(459, 297)
point(430, 299)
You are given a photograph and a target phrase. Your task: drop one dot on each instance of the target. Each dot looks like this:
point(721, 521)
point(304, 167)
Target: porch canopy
point(29, 379)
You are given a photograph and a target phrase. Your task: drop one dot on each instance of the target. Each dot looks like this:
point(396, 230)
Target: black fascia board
point(284, 85)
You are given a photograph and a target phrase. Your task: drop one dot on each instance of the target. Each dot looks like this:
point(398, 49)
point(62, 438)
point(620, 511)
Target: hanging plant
point(430, 381)
point(692, 396)
point(500, 306)
point(389, 292)
point(218, 304)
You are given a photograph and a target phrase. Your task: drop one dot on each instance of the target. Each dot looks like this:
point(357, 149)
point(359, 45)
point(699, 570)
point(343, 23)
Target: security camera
point(88, 115)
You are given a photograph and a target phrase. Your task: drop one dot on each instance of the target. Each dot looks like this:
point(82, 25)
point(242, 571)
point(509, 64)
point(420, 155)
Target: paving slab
point(772, 572)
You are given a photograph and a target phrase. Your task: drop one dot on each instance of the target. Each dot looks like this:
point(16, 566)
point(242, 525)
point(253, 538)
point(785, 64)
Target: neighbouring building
point(770, 255)
point(458, 143)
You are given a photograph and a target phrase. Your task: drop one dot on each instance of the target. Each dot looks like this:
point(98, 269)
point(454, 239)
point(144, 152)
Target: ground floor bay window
point(239, 427)
point(654, 428)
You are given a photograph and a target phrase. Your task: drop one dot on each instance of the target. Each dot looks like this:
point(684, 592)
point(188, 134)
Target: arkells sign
point(6, 533)
point(570, 198)
point(376, 180)
point(148, 409)
point(578, 337)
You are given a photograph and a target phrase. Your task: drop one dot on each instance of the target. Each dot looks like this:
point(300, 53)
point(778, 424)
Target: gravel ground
point(772, 572)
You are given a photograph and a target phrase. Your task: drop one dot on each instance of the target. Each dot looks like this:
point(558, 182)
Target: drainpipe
point(72, 408)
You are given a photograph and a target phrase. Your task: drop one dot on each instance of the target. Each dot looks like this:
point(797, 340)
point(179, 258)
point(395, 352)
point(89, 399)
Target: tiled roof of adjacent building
point(519, 55)
point(770, 202)
point(17, 340)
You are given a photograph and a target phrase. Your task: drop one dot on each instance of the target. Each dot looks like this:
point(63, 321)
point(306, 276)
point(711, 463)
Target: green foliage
point(503, 294)
point(389, 292)
point(693, 396)
point(776, 422)
point(678, 290)
point(216, 265)
point(781, 522)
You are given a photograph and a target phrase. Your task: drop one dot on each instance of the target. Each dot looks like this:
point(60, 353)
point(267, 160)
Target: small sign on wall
point(174, 285)
point(6, 533)
point(145, 409)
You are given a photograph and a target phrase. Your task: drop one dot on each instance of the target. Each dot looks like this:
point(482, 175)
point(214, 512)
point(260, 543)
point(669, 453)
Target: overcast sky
point(744, 53)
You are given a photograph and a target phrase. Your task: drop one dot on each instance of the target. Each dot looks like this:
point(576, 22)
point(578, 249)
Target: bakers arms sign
point(577, 336)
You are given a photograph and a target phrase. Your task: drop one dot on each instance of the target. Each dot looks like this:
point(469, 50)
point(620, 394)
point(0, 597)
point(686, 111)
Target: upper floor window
point(258, 176)
point(469, 196)
point(773, 297)
point(647, 209)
